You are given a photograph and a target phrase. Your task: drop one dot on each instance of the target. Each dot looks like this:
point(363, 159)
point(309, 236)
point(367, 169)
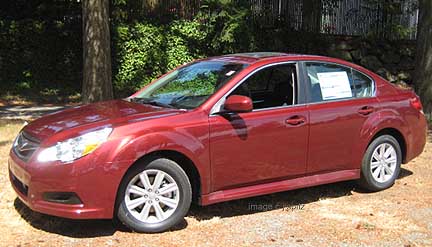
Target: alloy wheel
point(383, 162)
point(152, 196)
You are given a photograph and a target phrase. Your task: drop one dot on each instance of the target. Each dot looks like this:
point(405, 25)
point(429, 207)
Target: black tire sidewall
point(185, 191)
point(366, 176)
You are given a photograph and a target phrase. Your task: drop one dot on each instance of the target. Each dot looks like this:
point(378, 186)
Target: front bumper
point(95, 184)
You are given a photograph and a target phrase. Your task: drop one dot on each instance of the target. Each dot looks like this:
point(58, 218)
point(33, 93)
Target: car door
point(340, 101)
point(267, 144)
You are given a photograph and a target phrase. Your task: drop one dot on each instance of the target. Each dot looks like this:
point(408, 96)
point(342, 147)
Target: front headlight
point(75, 148)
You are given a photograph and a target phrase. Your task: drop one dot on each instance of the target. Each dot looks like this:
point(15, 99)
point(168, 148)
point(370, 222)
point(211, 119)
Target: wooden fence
point(384, 19)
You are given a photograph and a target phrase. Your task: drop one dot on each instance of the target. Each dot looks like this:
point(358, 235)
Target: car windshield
point(189, 86)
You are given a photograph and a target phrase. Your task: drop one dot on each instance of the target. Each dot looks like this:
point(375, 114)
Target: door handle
point(296, 120)
point(366, 110)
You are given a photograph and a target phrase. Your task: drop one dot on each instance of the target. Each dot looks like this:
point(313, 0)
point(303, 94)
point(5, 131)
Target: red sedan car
point(214, 130)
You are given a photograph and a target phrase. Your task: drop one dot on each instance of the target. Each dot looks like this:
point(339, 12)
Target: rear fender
point(383, 119)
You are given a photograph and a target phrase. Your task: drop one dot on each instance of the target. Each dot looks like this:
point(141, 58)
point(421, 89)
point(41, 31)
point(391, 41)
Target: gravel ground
point(330, 215)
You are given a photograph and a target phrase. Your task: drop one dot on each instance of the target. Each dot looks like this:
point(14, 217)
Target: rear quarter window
point(363, 85)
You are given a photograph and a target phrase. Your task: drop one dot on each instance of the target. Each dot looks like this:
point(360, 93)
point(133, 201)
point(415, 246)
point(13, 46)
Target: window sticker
point(334, 85)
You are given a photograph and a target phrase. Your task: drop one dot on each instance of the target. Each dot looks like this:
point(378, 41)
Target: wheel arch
point(185, 163)
point(380, 123)
point(397, 134)
point(181, 159)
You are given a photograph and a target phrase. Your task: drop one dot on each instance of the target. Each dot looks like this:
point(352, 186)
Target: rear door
point(340, 101)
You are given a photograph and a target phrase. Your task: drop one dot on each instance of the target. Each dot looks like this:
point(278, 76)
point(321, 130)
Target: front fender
point(133, 148)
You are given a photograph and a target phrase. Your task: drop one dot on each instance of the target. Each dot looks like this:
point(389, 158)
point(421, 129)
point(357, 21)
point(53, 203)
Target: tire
point(377, 172)
point(139, 205)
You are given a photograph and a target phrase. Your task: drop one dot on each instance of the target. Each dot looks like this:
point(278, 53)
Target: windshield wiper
point(151, 102)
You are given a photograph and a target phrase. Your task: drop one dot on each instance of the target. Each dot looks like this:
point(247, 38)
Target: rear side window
point(363, 85)
point(332, 82)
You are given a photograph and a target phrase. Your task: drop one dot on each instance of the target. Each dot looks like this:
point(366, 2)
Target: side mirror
point(238, 103)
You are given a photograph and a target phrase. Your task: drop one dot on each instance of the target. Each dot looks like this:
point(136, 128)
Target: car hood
point(91, 116)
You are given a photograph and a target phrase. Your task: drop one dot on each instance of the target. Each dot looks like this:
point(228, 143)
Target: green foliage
point(139, 55)
point(200, 85)
point(44, 53)
point(396, 31)
point(41, 41)
point(40, 47)
point(38, 54)
point(184, 42)
point(400, 32)
point(227, 25)
point(145, 50)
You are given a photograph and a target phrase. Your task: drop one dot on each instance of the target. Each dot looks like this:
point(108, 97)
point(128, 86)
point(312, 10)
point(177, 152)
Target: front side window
point(270, 87)
point(333, 82)
point(191, 85)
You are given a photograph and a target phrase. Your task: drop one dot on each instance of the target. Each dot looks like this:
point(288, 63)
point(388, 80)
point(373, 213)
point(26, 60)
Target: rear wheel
point(381, 163)
point(154, 197)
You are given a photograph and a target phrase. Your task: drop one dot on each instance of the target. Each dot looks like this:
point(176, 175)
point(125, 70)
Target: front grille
point(20, 186)
point(25, 146)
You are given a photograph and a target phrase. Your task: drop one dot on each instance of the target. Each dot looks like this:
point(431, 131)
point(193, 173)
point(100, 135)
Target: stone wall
point(393, 60)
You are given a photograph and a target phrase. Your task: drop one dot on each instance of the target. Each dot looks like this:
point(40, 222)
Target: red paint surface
point(245, 155)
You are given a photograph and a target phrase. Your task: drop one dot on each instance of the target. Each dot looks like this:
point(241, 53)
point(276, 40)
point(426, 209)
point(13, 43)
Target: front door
point(267, 144)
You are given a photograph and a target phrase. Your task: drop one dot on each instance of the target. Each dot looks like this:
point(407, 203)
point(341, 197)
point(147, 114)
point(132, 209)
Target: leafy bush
point(35, 54)
point(184, 42)
point(144, 50)
point(227, 25)
point(139, 56)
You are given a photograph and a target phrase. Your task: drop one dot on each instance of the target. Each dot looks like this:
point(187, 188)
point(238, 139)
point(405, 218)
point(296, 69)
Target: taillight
point(416, 103)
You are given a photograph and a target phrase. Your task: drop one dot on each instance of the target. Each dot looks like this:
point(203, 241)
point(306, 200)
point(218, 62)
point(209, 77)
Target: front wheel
point(381, 163)
point(154, 197)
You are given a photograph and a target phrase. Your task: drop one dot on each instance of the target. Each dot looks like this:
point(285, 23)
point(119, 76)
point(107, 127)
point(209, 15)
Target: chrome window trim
point(217, 107)
point(339, 100)
point(279, 107)
point(341, 65)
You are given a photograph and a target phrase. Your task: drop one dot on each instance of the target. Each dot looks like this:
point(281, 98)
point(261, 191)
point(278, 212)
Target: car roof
point(258, 55)
point(252, 57)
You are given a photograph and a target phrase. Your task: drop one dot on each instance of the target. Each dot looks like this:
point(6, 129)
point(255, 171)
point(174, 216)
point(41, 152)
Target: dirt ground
point(330, 215)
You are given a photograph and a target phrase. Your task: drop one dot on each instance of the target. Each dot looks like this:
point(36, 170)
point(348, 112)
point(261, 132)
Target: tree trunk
point(311, 15)
point(97, 84)
point(423, 72)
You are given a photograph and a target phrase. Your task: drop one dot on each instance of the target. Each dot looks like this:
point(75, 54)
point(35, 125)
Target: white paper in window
point(334, 85)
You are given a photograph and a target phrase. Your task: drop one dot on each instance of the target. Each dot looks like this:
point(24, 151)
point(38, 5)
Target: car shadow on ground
point(74, 228)
point(289, 200)
point(65, 227)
